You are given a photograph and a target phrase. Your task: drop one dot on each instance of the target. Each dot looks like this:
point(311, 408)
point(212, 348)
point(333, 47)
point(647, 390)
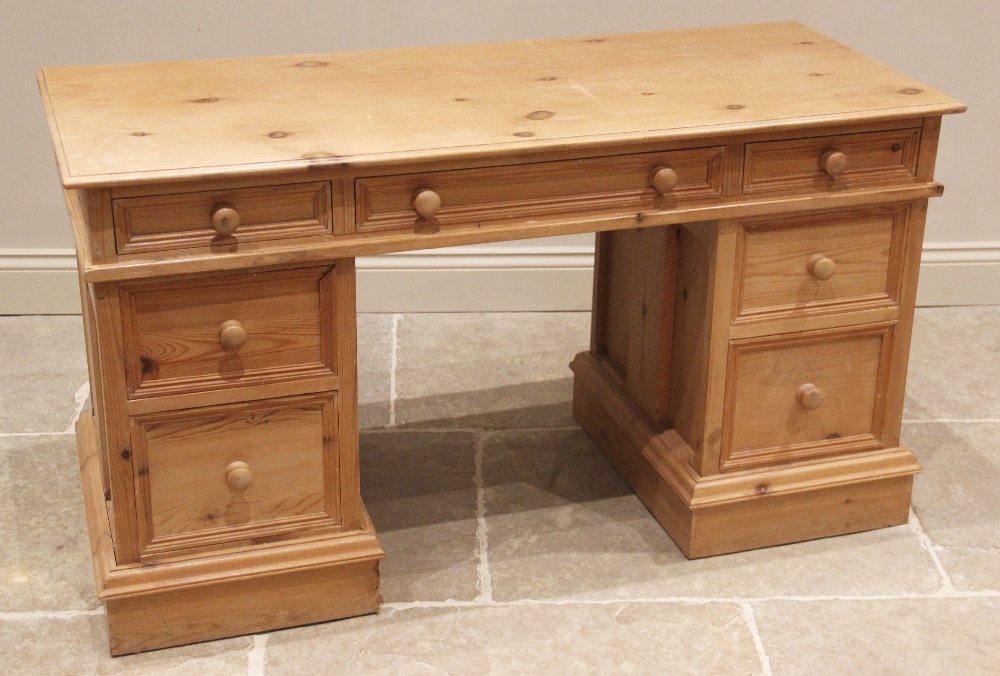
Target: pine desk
point(759, 194)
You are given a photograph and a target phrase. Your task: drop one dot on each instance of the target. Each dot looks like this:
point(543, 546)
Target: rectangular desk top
point(126, 124)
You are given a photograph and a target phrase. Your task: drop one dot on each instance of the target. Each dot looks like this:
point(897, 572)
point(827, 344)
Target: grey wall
point(949, 46)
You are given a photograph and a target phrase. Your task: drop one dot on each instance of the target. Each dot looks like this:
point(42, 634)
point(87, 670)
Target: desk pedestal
point(746, 398)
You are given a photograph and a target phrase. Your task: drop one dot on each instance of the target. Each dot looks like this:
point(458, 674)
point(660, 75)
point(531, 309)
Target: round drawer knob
point(238, 476)
point(663, 179)
point(232, 336)
point(833, 162)
point(426, 202)
point(809, 397)
point(821, 268)
point(225, 219)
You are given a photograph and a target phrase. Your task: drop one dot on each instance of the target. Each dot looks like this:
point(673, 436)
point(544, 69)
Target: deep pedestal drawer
point(254, 472)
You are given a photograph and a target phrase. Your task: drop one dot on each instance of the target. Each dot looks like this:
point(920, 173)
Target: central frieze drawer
point(471, 197)
point(260, 470)
point(228, 331)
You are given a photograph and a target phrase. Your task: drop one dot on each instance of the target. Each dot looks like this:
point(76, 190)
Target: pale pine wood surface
point(776, 254)
point(768, 424)
point(187, 455)
point(184, 220)
point(870, 158)
point(636, 308)
point(533, 190)
point(122, 123)
point(172, 331)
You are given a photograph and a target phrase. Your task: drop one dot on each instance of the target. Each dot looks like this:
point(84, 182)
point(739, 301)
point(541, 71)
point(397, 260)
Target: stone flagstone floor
point(513, 546)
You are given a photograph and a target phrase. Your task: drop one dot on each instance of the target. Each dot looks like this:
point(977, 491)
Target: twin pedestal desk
point(759, 195)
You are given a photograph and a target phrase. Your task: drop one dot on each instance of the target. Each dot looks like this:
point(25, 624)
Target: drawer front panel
point(185, 220)
point(228, 331)
point(214, 475)
point(820, 262)
point(472, 196)
point(805, 395)
point(798, 165)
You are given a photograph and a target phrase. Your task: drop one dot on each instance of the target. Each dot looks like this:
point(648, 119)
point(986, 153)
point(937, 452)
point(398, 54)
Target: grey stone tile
point(43, 362)
point(957, 498)
point(534, 639)
point(374, 369)
point(954, 364)
point(972, 568)
point(45, 557)
point(919, 636)
point(488, 370)
point(419, 489)
point(561, 524)
point(36, 646)
point(958, 495)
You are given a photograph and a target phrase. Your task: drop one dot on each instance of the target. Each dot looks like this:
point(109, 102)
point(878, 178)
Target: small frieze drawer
point(831, 163)
point(219, 220)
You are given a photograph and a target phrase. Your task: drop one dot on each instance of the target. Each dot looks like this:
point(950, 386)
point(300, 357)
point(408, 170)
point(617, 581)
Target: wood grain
point(264, 390)
point(527, 191)
point(837, 508)
point(635, 320)
point(95, 503)
point(909, 262)
point(795, 322)
point(172, 337)
point(182, 459)
point(308, 251)
point(765, 423)
point(344, 315)
point(795, 165)
point(243, 606)
point(773, 278)
point(117, 124)
point(929, 135)
point(722, 254)
point(117, 441)
point(184, 220)
point(692, 332)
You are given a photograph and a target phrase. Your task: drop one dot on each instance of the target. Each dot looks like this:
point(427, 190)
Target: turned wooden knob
point(663, 179)
point(238, 476)
point(225, 219)
point(821, 268)
point(833, 162)
point(426, 202)
point(232, 336)
point(809, 397)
